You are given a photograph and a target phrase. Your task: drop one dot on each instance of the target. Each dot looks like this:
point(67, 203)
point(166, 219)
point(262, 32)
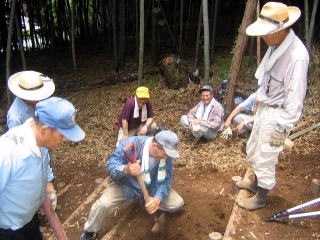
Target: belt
point(272, 106)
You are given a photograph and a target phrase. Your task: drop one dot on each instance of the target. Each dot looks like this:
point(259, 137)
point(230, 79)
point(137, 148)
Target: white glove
point(227, 133)
point(53, 198)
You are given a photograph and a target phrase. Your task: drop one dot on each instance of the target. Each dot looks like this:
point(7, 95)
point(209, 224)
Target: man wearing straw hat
point(283, 77)
point(23, 165)
point(136, 117)
point(30, 87)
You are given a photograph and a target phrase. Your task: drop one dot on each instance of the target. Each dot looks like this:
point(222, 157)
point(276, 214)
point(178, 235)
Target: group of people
point(38, 123)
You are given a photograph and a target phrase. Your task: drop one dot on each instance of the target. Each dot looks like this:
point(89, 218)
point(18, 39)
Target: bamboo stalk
point(308, 129)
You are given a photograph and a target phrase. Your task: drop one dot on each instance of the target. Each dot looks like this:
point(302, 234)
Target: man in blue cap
point(155, 164)
point(205, 120)
point(30, 87)
point(23, 165)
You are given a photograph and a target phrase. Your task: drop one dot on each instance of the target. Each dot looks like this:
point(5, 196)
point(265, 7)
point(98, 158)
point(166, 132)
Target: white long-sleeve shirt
point(288, 83)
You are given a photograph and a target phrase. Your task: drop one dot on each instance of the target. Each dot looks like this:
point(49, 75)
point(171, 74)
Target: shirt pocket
point(275, 85)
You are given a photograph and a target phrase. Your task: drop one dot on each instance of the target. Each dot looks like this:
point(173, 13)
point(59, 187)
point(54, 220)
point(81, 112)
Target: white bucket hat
point(31, 85)
point(274, 16)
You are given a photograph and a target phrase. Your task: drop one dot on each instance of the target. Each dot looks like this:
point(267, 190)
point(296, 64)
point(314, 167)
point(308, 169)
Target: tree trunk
point(241, 43)
point(115, 36)
point(206, 41)
point(181, 27)
point(214, 26)
point(198, 38)
point(312, 20)
point(8, 52)
point(141, 45)
point(306, 20)
point(121, 34)
point(23, 59)
point(73, 47)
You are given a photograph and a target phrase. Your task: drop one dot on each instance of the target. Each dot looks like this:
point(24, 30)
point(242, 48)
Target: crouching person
point(205, 120)
point(154, 162)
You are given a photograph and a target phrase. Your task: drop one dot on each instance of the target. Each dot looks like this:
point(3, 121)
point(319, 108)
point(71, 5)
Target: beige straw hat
point(31, 85)
point(274, 16)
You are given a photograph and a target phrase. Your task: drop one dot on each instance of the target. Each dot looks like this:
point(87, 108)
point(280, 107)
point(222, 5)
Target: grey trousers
point(113, 196)
point(241, 117)
point(199, 131)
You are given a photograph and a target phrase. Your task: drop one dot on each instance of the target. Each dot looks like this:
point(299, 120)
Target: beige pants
point(134, 132)
point(113, 196)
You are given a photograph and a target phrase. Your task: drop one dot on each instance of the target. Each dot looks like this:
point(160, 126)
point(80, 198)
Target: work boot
point(251, 186)
point(88, 236)
point(257, 201)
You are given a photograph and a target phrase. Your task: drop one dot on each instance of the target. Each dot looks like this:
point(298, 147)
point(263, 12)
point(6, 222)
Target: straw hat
point(273, 17)
point(31, 85)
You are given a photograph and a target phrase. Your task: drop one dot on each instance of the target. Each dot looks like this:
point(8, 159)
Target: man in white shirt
point(283, 77)
point(23, 165)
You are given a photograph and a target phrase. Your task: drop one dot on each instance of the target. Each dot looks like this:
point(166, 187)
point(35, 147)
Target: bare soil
point(202, 173)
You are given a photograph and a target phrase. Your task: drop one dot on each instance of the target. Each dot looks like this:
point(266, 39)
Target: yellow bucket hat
point(142, 92)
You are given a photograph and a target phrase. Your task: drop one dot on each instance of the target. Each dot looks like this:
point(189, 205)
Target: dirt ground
point(202, 173)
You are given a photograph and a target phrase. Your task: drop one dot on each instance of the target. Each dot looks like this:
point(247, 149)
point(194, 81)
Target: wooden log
point(114, 229)
point(235, 216)
point(88, 201)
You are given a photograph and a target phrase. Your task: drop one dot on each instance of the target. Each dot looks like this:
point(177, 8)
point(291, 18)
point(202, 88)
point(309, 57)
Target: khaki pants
point(134, 132)
point(113, 196)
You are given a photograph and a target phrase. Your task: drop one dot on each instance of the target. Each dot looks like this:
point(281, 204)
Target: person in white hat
point(30, 87)
point(23, 165)
point(205, 120)
point(283, 77)
point(154, 162)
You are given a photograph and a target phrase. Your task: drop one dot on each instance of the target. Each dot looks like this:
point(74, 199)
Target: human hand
point(152, 205)
point(132, 169)
point(277, 139)
point(53, 198)
point(196, 122)
point(227, 133)
point(143, 131)
point(239, 127)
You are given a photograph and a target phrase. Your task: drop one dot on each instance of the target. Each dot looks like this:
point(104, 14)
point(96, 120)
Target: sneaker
point(88, 236)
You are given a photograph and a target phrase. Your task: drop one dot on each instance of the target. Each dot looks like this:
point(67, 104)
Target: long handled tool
point(160, 221)
point(54, 220)
point(286, 214)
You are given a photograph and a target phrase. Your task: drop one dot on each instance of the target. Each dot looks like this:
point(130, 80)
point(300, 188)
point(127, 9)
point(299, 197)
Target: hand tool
point(286, 214)
point(159, 222)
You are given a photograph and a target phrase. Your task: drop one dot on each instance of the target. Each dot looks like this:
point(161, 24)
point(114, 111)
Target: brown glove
point(277, 136)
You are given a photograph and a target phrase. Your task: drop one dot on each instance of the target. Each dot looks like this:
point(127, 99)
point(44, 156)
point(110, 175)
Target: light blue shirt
point(23, 176)
point(17, 114)
point(247, 104)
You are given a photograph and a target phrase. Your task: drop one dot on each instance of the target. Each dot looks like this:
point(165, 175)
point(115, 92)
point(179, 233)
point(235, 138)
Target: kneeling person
point(205, 120)
point(137, 116)
point(155, 163)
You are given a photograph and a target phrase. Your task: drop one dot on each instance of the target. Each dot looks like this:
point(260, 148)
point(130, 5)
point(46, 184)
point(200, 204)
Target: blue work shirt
point(23, 176)
point(129, 184)
point(17, 114)
point(247, 105)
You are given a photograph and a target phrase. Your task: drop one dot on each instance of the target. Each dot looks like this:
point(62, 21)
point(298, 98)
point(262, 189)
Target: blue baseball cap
point(169, 141)
point(59, 113)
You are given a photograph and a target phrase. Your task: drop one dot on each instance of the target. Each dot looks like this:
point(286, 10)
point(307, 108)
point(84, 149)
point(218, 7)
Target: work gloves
point(277, 136)
point(227, 133)
point(53, 198)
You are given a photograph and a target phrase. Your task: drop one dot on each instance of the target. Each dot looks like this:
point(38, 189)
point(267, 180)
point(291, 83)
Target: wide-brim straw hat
point(31, 85)
point(273, 17)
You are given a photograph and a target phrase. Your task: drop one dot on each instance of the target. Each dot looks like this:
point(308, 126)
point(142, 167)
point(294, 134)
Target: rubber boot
point(257, 201)
point(252, 187)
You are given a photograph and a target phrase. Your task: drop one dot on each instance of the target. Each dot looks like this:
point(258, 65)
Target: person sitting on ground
point(136, 117)
point(23, 164)
point(205, 120)
point(30, 87)
point(154, 162)
point(242, 116)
